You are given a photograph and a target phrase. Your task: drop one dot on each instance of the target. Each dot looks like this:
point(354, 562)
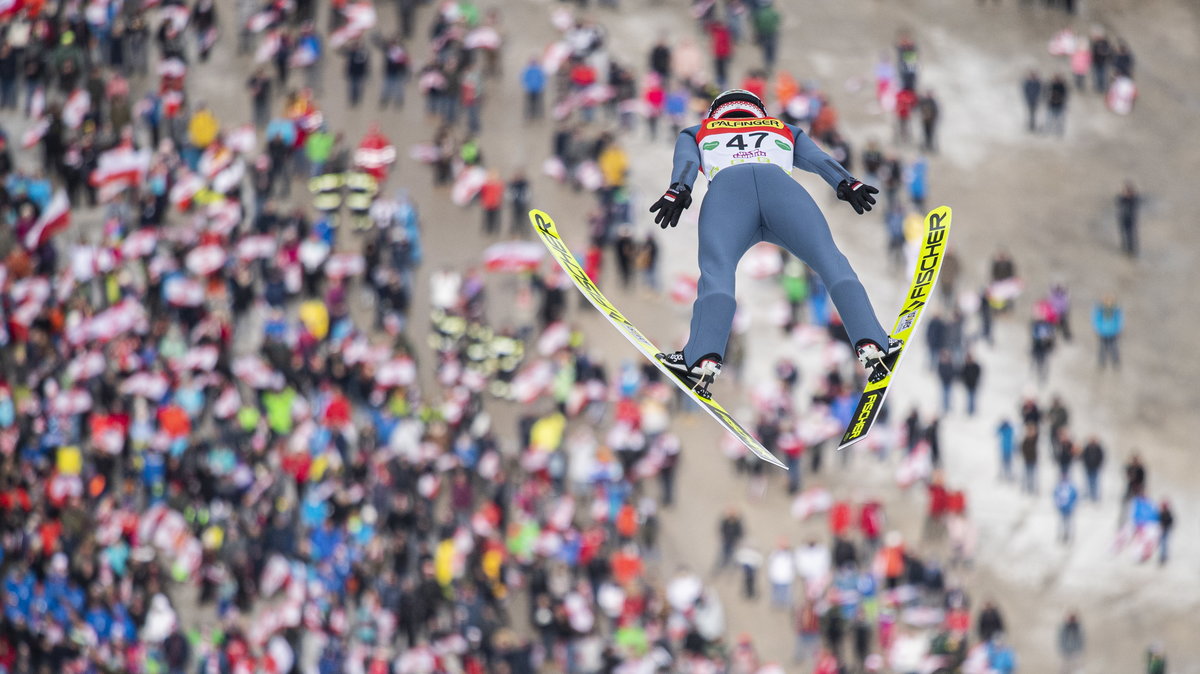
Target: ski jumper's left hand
point(857, 194)
point(671, 205)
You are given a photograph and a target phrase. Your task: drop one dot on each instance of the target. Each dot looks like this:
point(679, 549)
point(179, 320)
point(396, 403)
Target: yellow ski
point(929, 263)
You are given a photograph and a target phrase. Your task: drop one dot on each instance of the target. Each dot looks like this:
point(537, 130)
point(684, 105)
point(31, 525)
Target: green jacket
point(279, 410)
point(766, 21)
point(318, 147)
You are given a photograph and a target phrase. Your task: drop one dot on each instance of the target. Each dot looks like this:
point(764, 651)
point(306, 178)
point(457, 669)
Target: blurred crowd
point(213, 398)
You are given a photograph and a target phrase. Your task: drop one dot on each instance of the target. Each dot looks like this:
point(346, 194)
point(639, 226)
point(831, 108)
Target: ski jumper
point(752, 197)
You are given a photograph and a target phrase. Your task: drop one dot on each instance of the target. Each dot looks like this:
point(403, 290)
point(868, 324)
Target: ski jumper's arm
point(808, 156)
point(687, 157)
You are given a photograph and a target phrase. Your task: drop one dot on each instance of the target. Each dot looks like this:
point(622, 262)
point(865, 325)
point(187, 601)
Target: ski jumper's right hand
point(857, 194)
point(671, 205)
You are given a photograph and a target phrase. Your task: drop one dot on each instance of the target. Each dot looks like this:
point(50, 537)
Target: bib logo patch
point(710, 145)
point(742, 123)
point(783, 146)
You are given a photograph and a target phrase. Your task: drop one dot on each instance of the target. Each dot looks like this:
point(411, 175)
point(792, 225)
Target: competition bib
point(729, 142)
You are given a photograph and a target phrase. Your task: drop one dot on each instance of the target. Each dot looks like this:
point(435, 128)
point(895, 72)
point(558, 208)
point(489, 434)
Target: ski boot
point(698, 376)
point(878, 363)
point(675, 363)
point(706, 370)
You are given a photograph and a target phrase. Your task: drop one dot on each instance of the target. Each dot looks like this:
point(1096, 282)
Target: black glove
point(858, 194)
point(670, 205)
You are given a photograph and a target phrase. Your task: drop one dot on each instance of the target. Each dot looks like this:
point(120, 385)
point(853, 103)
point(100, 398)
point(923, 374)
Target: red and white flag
point(256, 246)
point(261, 21)
point(10, 8)
point(186, 189)
point(204, 260)
point(53, 220)
point(33, 135)
point(76, 108)
point(199, 358)
point(399, 371)
point(149, 385)
point(343, 265)
point(139, 244)
point(228, 403)
point(182, 291)
point(37, 103)
point(242, 139)
point(514, 256)
point(119, 168)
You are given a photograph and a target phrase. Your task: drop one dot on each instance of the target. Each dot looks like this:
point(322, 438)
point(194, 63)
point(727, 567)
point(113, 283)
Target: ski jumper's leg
point(729, 225)
point(792, 220)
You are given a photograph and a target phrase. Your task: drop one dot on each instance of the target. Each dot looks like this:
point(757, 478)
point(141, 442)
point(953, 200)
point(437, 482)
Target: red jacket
point(722, 43)
point(491, 195)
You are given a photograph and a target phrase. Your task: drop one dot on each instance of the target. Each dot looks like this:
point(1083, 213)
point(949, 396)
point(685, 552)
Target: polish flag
point(76, 108)
point(185, 189)
point(37, 104)
point(119, 168)
point(242, 139)
point(260, 22)
point(10, 8)
point(53, 220)
point(34, 134)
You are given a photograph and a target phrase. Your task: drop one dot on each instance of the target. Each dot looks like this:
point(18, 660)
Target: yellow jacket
point(614, 164)
point(203, 129)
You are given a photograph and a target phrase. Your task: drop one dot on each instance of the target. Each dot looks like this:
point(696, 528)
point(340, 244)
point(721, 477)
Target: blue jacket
point(533, 78)
point(1002, 660)
point(1065, 495)
point(1108, 322)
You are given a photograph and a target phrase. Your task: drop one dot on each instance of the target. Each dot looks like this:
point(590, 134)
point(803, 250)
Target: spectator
point(808, 632)
point(358, 66)
point(918, 182)
point(731, 531)
point(1128, 202)
point(722, 51)
point(9, 64)
point(1065, 497)
point(907, 61)
point(1101, 55)
point(1093, 461)
point(259, 85)
point(660, 59)
point(947, 373)
point(1135, 477)
point(518, 199)
point(1041, 334)
point(1005, 434)
point(906, 102)
point(1029, 455)
point(749, 560)
point(766, 33)
point(1156, 659)
point(1108, 322)
point(1032, 89)
point(989, 623)
point(1056, 105)
point(1070, 642)
point(781, 571)
point(533, 82)
point(1166, 522)
point(1123, 60)
point(1081, 63)
point(395, 73)
point(491, 198)
point(971, 372)
point(1001, 658)
point(936, 339)
point(930, 114)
